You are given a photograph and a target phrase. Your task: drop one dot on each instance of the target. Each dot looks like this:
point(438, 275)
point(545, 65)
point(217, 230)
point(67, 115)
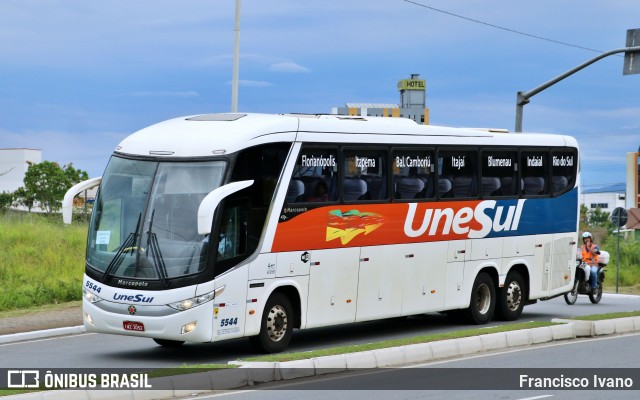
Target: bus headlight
point(187, 304)
point(91, 297)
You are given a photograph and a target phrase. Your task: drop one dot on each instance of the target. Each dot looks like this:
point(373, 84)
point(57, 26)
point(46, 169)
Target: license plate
point(133, 326)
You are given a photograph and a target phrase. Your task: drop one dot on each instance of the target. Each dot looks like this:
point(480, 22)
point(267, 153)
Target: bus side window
point(499, 173)
point(534, 173)
point(413, 174)
point(459, 167)
point(314, 176)
point(563, 169)
point(365, 175)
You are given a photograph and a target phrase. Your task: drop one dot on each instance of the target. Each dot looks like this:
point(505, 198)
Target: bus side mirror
point(209, 204)
point(67, 202)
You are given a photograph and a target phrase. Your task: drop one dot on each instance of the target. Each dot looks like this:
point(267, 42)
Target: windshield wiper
point(156, 254)
point(127, 245)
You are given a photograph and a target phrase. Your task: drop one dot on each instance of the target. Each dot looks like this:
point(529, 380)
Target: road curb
point(252, 373)
point(47, 333)
point(584, 328)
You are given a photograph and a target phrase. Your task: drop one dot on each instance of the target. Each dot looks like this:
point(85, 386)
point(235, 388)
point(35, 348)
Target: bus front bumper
point(193, 325)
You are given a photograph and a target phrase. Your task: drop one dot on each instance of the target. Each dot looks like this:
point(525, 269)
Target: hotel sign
point(412, 84)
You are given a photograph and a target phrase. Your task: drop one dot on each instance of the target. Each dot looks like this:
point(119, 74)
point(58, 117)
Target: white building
point(13, 166)
point(606, 198)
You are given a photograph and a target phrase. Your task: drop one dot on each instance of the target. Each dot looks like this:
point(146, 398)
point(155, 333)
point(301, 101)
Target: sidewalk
point(42, 320)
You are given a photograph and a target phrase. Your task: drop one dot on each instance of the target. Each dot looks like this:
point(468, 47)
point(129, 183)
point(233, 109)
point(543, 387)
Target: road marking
point(47, 339)
point(530, 348)
point(537, 397)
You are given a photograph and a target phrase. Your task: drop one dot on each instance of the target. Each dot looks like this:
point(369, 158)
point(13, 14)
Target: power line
point(502, 27)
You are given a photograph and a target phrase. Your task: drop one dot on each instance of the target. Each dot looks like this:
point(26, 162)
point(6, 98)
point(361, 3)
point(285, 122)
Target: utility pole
point(630, 67)
point(236, 60)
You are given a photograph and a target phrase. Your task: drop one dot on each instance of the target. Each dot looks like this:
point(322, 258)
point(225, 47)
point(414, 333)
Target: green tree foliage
point(24, 198)
point(5, 200)
point(47, 182)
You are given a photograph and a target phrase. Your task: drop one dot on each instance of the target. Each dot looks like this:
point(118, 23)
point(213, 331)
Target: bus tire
point(276, 327)
point(511, 297)
point(168, 343)
point(483, 300)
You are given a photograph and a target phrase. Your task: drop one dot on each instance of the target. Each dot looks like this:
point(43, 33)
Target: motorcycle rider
point(590, 252)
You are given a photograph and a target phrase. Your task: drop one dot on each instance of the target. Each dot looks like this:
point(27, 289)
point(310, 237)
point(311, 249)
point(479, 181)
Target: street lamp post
point(524, 97)
point(236, 60)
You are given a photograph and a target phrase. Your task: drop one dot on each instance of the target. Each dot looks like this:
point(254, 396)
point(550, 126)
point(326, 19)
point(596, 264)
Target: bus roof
point(224, 133)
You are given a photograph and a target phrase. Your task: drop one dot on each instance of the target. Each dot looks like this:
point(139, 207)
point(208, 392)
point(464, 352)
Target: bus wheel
point(168, 343)
point(276, 327)
point(483, 300)
point(511, 297)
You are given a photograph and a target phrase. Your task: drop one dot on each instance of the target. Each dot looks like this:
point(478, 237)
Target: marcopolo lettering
point(137, 298)
point(445, 221)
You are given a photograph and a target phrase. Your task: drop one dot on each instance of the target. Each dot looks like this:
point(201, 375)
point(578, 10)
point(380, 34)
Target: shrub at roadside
point(42, 260)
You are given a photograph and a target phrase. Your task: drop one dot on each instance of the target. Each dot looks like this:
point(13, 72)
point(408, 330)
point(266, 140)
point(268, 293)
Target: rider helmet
point(587, 235)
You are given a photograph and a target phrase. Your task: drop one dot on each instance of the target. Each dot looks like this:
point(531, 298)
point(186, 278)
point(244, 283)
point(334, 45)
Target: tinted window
point(413, 176)
point(365, 175)
point(457, 171)
point(499, 173)
point(563, 170)
point(534, 173)
point(314, 176)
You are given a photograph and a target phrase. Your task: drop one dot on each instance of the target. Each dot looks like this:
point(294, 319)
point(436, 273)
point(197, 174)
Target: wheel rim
point(514, 296)
point(483, 296)
point(574, 292)
point(277, 323)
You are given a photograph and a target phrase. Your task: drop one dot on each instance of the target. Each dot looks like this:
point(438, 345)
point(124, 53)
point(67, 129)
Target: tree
point(47, 182)
point(24, 198)
point(5, 200)
point(599, 219)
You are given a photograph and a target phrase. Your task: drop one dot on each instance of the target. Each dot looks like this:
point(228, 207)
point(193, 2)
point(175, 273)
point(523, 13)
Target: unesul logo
point(464, 221)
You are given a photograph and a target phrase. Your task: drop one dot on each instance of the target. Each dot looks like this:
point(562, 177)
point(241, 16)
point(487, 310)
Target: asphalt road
point(486, 376)
point(108, 351)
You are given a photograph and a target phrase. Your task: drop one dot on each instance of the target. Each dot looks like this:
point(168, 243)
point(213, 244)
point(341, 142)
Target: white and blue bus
point(221, 226)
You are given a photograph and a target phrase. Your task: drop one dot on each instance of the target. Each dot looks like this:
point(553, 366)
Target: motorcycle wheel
point(571, 297)
point(595, 297)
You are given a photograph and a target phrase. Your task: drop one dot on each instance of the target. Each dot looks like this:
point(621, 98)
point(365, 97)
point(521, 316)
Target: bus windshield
point(144, 225)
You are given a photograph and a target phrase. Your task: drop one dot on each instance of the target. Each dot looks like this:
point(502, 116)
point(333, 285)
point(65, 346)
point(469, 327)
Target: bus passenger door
point(424, 277)
point(333, 286)
point(542, 261)
point(380, 281)
point(457, 252)
point(562, 262)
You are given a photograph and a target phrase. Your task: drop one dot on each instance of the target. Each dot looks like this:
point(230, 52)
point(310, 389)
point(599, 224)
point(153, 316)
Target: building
point(13, 167)
point(413, 95)
point(605, 198)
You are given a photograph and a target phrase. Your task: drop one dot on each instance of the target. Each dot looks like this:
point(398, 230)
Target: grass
point(600, 317)
point(398, 342)
point(42, 260)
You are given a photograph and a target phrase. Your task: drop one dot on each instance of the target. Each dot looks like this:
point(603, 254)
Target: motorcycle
point(581, 283)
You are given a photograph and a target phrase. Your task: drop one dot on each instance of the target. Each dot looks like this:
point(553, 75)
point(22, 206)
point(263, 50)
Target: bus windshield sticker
point(102, 237)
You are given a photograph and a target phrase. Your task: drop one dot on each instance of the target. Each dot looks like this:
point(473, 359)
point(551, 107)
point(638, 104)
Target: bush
point(42, 260)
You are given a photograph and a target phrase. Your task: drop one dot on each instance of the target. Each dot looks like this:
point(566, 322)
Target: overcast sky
point(77, 76)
